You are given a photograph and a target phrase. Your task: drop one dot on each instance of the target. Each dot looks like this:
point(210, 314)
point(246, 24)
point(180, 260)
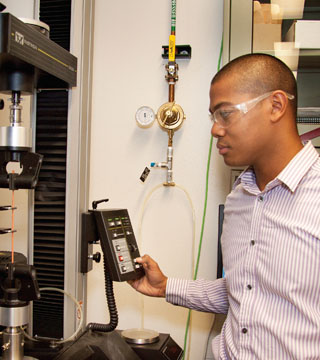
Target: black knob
point(95, 203)
point(95, 257)
point(132, 247)
point(1, 104)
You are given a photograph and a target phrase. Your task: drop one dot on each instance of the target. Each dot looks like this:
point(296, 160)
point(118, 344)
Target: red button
point(121, 258)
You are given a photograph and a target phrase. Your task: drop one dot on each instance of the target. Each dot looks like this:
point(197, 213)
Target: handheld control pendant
point(114, 230)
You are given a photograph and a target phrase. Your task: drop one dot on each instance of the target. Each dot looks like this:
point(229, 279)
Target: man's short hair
point(260, 73)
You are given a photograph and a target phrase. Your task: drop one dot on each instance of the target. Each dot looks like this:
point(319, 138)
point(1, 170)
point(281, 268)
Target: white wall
point(21, 8)
point(128, 73)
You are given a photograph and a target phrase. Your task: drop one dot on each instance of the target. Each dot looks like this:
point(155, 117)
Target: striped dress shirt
point(271, 258)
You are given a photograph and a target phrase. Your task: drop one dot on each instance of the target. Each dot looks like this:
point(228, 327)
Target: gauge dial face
point(145, 116)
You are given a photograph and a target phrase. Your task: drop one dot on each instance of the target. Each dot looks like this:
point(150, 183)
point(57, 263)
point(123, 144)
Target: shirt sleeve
point(201, 295)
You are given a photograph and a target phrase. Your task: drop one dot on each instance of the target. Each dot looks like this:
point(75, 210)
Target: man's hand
point(153, 283)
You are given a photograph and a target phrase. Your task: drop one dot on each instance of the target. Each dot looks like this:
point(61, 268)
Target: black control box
point(164, 349)
point(119, 246)
point(24, 49)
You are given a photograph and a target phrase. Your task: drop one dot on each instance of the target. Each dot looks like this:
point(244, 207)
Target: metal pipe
point(164, 111)
point(172, 67)
point(169, 166)
point(170, 135)
point(171, 91)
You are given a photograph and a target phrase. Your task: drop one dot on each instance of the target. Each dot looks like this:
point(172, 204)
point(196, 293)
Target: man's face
point(242, 142)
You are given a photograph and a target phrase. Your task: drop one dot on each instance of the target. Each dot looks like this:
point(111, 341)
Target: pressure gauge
point(145, 116)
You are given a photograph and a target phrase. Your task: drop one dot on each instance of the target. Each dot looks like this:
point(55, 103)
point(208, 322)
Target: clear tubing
point(146, 200)
point(74, 335)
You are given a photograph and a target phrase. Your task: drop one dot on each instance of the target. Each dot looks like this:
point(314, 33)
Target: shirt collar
point(291, 175)
point(246, 177)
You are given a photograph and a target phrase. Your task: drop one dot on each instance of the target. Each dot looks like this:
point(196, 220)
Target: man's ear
point(279, 103)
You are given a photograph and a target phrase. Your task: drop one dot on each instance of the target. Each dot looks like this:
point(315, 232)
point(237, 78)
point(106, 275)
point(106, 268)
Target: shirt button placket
point(248, 295)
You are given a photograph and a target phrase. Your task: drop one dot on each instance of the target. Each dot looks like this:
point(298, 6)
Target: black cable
point(111, 305)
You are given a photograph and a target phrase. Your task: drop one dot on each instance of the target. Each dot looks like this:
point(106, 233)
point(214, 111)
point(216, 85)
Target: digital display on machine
point(172, 351)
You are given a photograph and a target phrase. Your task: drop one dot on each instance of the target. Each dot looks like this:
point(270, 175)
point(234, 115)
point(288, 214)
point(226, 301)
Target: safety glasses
point(225, 115)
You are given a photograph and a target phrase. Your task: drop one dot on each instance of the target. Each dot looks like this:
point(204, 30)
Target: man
point(271, 231)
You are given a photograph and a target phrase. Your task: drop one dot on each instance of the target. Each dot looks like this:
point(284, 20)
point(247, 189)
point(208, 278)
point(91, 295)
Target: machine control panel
point(118, 243)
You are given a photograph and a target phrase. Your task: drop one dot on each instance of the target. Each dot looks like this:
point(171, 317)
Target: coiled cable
point(111, 305)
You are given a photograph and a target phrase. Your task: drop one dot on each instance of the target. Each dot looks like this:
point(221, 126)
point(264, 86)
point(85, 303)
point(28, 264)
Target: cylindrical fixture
point(15, 114)
point(15, 137)
point(14, 316)
point(40, 26)
point(12, 79)
point(13, 345)
point(15, 109)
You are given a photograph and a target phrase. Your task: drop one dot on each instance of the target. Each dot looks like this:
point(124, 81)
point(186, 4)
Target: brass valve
point(170, 116)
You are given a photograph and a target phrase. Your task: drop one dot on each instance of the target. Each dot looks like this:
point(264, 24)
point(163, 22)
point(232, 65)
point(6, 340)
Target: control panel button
point(118, 243)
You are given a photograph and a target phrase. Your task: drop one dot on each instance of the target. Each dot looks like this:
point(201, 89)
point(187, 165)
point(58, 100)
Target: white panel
point(307, 34)
point(20, 8)
point(290, 9)
point(226, 32)
point(240, 28)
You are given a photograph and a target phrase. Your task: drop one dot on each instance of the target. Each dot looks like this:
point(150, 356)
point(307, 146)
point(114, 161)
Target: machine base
point(24, 358)
point(105, 346)
point(164, 349)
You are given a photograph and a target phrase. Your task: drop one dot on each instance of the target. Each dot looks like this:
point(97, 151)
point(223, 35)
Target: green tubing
point(173, 16)
point(203, 220)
